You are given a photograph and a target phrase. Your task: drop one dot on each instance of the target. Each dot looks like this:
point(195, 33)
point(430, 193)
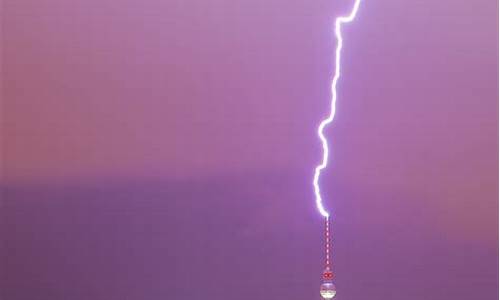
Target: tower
point(327, 289)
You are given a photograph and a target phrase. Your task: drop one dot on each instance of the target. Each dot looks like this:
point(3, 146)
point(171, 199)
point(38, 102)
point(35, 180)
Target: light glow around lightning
point(317, 171)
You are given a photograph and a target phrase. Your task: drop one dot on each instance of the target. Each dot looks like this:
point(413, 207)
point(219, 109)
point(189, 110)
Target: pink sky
point(97, 90)
point(161, 88)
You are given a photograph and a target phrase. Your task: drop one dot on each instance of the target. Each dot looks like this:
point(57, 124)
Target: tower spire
point(327, 242)
point(327, 273)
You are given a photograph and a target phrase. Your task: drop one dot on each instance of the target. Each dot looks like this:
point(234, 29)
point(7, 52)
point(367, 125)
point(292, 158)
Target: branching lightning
point(317, 172)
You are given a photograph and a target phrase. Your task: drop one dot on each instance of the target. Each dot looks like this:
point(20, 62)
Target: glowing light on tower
point(317, 172)
point(327, 288)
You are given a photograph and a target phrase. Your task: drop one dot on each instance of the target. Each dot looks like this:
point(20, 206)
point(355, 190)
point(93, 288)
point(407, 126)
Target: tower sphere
point(327, 290)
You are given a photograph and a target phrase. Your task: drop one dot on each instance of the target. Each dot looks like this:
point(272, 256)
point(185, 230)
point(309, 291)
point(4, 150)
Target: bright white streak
point(338, 34)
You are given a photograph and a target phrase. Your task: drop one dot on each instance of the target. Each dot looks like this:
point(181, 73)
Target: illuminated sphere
point(327, 290)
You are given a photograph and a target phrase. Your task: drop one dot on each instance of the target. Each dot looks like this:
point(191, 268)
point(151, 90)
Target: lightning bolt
point(317, 171)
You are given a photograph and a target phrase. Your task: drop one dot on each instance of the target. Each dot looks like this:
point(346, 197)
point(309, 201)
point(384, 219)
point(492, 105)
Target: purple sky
point(165, 149)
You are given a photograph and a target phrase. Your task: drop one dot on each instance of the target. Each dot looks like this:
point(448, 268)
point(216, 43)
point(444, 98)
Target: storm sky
point(165, 149)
